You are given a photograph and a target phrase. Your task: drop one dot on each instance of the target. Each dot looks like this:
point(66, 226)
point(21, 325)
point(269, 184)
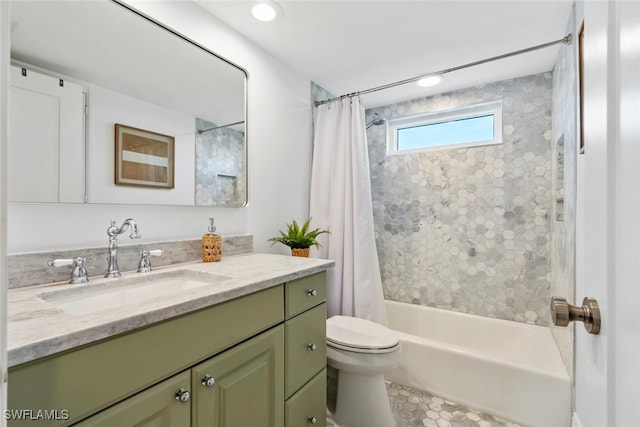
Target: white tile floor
point(418, 408)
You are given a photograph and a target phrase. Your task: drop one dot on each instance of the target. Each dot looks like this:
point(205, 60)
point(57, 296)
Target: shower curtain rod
point(221, 126)
point(565, 40)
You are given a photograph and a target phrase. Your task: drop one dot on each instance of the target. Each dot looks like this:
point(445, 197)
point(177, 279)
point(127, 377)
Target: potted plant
point(299, 239)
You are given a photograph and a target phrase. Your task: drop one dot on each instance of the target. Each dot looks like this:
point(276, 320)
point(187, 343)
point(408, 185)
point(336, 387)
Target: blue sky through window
point(466, 130)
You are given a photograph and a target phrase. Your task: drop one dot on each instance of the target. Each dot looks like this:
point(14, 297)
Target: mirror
point(131, 71)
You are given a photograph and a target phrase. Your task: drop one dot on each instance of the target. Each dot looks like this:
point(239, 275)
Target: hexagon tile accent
point(469, 229)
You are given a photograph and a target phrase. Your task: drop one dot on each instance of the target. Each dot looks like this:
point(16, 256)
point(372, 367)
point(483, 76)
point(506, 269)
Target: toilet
point(359, 352)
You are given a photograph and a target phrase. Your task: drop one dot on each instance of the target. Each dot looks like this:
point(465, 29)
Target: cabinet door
point(158, 406)
point(243, 386)
point(308, 405)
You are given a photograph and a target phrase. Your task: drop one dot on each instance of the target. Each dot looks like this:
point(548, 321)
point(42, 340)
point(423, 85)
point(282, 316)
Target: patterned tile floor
point(418, 408)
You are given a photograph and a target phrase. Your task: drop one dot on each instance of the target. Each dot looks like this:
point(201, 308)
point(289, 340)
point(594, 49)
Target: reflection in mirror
point(219, 183)
point(143, 76)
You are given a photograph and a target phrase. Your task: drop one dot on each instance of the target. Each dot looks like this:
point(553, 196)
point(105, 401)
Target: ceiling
point(349, 46)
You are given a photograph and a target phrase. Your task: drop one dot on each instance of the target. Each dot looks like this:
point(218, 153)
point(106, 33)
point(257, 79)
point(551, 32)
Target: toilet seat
point(360, 335)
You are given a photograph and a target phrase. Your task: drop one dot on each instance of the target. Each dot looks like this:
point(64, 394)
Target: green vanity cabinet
point(306, 351)
point(239, 387)
point(91, 378)
point(258, 360)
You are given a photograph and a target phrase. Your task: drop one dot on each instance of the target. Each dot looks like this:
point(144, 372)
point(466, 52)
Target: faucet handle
point(144, 265)
point(79, 272)
point(59, 262)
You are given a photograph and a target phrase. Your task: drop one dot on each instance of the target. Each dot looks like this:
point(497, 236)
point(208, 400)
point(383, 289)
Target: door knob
point(562, 313)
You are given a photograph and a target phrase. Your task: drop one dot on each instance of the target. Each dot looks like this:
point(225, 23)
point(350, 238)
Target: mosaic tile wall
point(220, 167)
point(469, 229)
point(564, 184)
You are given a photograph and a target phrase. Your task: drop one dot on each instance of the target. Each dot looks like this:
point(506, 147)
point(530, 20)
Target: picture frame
point(143, 158)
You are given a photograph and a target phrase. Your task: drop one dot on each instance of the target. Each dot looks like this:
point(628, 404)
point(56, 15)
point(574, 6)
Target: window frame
point(493, 108)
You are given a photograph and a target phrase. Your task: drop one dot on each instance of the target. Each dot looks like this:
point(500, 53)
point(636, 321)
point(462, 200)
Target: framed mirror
point(80, 68)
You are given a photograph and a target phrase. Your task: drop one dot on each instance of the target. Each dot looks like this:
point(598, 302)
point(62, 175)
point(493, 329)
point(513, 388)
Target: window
point(469, 126)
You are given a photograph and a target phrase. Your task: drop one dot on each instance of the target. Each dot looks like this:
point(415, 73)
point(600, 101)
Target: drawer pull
point(182, 395)
point(312, 292)
point(312, 420)
point(312, 347)
point(208, 381)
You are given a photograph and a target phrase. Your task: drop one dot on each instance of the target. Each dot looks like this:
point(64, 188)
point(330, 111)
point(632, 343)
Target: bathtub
point(509, 369)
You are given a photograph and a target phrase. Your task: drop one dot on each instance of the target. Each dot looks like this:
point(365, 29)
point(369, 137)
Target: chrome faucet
point(112, 269)
point(144, 265)
point(79, 272)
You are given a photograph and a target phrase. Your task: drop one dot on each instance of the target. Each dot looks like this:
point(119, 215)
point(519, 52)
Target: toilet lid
point(355, 334)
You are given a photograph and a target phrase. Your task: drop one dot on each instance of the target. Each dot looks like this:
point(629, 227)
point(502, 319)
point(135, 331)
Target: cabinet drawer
point(308, 403)
point(302, 294)
point(306, 346)
point(155, 406)
point(93, 377)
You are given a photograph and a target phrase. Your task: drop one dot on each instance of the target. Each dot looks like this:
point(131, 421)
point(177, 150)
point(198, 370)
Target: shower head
point(377, 121)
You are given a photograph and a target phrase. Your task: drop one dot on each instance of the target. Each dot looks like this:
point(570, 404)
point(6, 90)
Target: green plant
point(299, 237)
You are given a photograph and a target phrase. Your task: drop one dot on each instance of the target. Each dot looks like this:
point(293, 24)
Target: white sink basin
point(89, 298)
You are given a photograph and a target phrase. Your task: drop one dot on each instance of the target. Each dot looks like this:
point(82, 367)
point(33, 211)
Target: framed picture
point(143, 158)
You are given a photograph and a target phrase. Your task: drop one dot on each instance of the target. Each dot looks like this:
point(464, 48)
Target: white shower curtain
point(340, 201)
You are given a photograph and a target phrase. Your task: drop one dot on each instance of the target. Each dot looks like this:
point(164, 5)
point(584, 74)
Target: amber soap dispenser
point(211, 244)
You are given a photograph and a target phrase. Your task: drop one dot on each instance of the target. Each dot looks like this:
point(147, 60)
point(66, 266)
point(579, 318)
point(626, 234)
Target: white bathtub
point(505, 368)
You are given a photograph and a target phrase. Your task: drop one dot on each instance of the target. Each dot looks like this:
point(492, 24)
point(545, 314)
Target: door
point(607, 254)
point(243, 386)
point(32, 180)
point(626, 361)
point(47, 117)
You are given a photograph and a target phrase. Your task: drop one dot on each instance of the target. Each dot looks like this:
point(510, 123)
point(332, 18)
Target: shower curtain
point(340, 201)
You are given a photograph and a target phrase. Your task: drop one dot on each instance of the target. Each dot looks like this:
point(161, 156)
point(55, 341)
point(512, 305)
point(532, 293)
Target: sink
point(89, 298)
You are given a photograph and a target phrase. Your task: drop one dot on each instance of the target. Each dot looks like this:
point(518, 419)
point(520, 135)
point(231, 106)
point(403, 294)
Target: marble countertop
point(37, 328)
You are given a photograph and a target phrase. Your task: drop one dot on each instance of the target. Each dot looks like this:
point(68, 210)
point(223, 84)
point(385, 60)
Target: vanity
point(236, 343)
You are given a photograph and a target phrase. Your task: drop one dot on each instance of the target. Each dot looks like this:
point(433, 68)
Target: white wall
point(106, 108)
point(279, 150)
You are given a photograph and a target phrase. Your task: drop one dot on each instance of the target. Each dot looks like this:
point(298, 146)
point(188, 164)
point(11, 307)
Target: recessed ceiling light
point(266, 11)
point(430, 81)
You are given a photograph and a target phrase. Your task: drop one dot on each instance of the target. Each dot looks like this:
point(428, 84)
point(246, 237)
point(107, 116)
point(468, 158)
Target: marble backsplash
point(32, 269)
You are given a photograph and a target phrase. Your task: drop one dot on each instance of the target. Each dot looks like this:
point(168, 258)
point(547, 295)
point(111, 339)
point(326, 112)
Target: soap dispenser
point(211, 244)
